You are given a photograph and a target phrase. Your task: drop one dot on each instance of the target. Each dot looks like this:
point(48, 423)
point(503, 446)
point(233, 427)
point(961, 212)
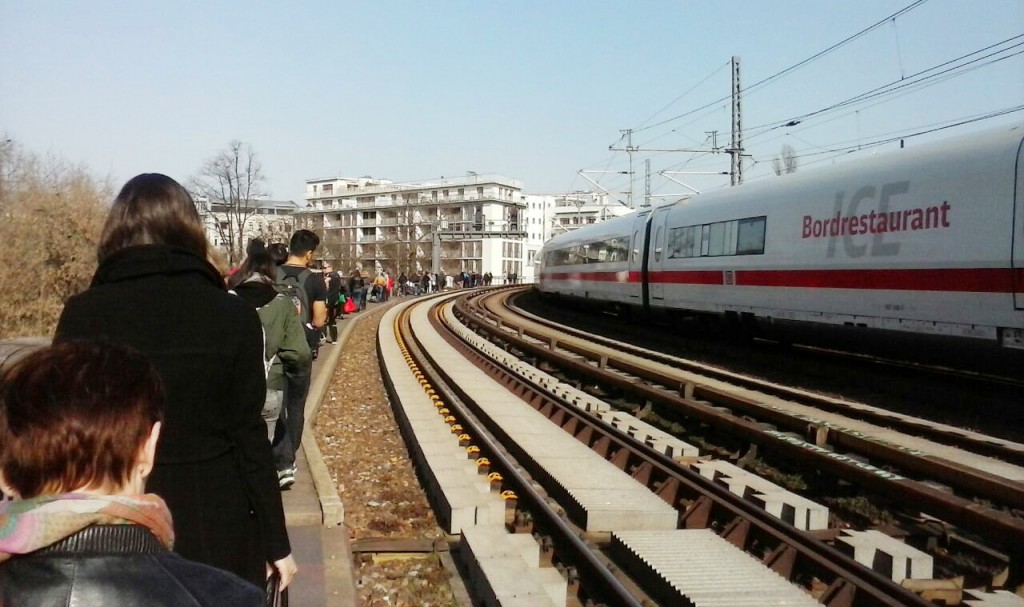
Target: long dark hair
point(257, 261)
point(153, 209)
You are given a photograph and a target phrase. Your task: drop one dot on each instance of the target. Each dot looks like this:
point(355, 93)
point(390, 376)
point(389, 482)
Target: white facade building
point(476, 224)
point(270, 220)
point(472, 224)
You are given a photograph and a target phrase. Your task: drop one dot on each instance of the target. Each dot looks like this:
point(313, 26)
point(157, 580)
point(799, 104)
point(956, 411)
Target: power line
point(912, 82)
point(687, 92)
point(793, 67)
point(909, 135)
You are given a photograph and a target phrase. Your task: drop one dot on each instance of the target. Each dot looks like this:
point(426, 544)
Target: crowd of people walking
point(146, 449)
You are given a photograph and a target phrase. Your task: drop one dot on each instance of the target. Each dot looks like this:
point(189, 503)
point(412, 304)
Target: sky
point(537, 90)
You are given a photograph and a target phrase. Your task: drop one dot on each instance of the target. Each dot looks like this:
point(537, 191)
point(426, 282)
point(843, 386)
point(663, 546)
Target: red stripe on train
point(968, 280)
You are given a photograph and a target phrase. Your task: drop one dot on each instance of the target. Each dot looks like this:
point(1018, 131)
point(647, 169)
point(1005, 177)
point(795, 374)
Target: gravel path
point(383, 499)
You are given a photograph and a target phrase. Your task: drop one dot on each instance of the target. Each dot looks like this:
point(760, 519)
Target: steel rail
point(999, 528)
point(594, 577)
point(976, 444)
point(743, 522)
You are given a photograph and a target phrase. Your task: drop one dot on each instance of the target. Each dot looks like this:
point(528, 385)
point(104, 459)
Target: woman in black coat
point(156, 291)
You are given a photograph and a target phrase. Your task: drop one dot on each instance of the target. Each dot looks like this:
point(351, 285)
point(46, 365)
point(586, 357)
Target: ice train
point(927, 240)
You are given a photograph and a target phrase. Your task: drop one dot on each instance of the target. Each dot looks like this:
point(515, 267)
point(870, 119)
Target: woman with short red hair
point(79, 424)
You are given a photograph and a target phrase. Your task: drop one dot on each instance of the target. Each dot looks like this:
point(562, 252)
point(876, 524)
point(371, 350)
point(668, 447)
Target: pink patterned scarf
point(28, 525)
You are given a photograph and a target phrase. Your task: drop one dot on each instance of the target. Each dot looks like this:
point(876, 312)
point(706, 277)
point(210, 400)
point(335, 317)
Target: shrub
point(51, 213)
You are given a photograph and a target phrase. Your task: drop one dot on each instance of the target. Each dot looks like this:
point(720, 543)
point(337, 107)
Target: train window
point(576, 255)
point(716, 239)
point(750, 238)
point(729, 238)
point(675, 243)
point(694, 240)
point(658, 243)
point(636, 252)
point(705, 233)
point(684, 242)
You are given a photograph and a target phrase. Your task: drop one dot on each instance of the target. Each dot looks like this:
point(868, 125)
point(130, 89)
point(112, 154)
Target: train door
point(658, 255)
point(637, 260)
point(1017, 262)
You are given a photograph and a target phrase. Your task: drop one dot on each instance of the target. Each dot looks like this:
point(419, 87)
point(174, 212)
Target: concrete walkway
point(313, 510)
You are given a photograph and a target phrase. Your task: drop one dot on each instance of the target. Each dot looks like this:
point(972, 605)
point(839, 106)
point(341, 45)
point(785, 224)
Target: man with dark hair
point(295, 274)
point(300, 256)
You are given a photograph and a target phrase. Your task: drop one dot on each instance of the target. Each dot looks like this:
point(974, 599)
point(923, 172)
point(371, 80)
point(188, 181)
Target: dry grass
point(371, 468)
point(51, 213)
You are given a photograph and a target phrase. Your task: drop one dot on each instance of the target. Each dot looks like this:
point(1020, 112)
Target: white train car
point(594, 263)
point(927, 240)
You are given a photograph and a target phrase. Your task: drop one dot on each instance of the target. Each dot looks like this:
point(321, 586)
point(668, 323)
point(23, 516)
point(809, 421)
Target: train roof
point(996, 144)
point(1001, 142)
point(602, 230)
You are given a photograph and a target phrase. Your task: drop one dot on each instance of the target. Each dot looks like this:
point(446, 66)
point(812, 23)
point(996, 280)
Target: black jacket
point(213, 466)
point(122, 565)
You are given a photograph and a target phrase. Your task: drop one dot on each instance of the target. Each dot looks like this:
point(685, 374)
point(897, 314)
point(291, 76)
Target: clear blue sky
point(535, 90)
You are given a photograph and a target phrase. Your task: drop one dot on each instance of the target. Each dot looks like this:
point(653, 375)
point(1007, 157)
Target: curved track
point(824, 572)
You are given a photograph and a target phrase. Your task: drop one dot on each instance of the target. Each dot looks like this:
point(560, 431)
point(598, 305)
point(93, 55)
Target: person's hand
point(286, 568)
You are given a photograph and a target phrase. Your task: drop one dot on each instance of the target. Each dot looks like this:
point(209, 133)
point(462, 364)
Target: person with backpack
point(287, 354)
point(307, 289)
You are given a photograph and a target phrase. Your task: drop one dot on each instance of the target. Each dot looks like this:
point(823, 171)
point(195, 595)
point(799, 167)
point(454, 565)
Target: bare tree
point(786, 163)
point(229, 185)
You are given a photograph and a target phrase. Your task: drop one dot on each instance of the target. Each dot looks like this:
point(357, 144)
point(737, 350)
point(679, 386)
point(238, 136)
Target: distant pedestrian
point(357, 288)
point(334, 291)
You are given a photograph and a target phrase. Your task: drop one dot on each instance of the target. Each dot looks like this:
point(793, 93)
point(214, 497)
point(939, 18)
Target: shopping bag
point(276, 596)
point(350, 306)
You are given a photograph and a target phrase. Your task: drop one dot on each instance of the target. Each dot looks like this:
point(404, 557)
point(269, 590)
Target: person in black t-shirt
point(289, 433)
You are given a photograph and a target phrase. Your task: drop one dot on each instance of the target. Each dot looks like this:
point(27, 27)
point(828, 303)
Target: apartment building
point(270, 220)
point(475, 223)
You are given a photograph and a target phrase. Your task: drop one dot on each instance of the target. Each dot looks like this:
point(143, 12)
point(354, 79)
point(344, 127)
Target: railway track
point(879, 461)
point(742, 405)
point(601, 561)
point(1004, 450)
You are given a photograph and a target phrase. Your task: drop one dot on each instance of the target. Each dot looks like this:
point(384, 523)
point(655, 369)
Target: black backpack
point(294, 286)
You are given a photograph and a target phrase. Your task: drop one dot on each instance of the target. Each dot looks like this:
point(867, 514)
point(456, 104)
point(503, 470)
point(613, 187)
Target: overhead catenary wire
point(941, 72)
point(914, 81)
point(837, 151)
point(793, 67)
